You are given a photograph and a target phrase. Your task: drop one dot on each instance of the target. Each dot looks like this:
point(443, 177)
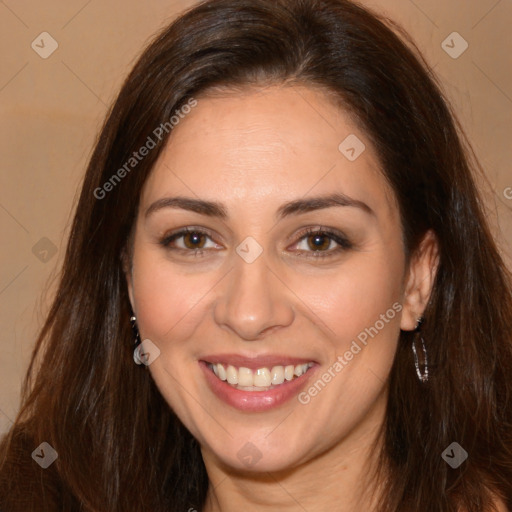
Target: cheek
point(354, 298)
point(347, 299)
point(166, 300)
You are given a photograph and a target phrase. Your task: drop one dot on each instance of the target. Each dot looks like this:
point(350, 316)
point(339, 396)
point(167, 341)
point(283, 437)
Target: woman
point(280, 291)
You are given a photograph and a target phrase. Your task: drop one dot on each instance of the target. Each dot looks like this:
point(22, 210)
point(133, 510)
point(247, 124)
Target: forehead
point(265, 146)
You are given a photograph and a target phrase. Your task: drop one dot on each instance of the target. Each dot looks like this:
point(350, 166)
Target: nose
point(253, 300)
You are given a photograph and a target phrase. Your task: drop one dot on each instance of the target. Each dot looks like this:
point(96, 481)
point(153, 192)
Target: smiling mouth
point(261, 379)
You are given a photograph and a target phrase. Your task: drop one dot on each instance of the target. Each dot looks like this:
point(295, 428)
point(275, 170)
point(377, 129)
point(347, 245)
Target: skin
point(253, 151)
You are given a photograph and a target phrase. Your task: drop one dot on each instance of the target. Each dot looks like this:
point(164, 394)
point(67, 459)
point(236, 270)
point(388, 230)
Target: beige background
point(51, 110)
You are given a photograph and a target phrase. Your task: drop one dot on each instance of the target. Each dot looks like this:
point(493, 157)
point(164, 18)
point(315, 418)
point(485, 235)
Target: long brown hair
point(120, 447)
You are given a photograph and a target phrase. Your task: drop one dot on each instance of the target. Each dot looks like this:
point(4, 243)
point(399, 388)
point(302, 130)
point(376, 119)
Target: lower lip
point(255, 401)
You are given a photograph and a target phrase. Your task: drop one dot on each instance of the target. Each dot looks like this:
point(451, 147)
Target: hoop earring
point(422, 376)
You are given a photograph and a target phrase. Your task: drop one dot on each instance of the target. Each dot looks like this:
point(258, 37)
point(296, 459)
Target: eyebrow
point(296, 207)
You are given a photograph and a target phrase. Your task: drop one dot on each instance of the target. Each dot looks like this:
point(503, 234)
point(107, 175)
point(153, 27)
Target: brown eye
point(194, 240)
point(189, 241)
point(323, 242)
point(318, 241)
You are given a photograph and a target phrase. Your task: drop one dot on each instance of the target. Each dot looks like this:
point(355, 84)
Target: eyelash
point(343, 243)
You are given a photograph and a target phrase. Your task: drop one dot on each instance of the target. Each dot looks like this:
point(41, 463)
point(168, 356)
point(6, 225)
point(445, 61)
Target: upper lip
point(255, 362)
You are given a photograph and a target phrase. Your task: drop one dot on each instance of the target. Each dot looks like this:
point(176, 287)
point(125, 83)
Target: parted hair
point(120, 446)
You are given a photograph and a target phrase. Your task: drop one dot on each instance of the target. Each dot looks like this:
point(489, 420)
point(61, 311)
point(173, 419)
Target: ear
point(419, 281)
point(126, 262)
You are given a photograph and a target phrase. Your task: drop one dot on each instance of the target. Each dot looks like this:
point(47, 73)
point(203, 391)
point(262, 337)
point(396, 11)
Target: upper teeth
point(262, 377)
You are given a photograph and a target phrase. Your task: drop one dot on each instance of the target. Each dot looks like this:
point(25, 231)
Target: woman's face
point(248, 287)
